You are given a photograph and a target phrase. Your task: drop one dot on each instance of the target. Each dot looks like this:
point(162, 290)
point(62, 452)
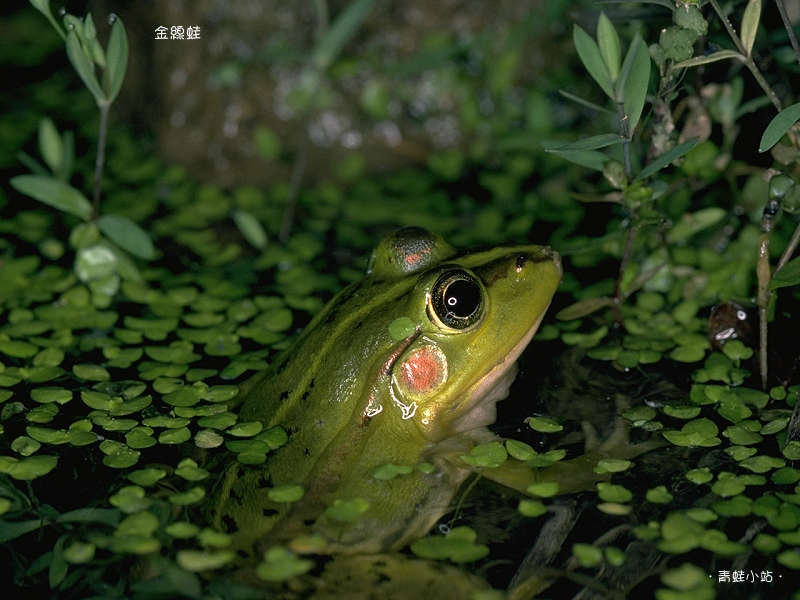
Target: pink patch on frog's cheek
point(424, 370)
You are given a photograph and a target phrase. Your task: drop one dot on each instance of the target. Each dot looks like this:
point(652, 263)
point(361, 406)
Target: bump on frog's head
point(408, 250)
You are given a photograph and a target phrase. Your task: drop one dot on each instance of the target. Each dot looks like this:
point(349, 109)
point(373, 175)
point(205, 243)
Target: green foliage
point(114, 372)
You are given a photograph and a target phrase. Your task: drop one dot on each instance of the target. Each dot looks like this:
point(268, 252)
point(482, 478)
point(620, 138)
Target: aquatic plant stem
point(630, 235)
point(789, 29)
point(298, 170)
point(101, 157)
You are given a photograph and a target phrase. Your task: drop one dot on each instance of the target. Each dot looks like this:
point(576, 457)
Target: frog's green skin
point(353, 398)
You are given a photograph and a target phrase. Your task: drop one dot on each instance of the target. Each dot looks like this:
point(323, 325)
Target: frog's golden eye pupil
point(457, 299)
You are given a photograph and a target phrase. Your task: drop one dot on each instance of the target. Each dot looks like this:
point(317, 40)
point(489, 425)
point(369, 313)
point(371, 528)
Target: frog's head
point(473, 314)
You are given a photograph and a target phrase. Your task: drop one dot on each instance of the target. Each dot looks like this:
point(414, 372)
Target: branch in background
point(789, 29)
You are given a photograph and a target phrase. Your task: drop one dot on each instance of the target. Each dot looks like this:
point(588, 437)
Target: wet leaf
point(279, 564)
point(204, 560)
point(286, 493)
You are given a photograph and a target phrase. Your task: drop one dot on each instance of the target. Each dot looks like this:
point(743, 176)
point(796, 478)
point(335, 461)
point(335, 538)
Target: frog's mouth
point(477, 410)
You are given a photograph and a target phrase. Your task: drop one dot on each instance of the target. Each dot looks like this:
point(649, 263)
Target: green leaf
point(107, 516)
point(53, 192)
point(286, 493)
point(117, 59)
point(696, 61)
point(43, 6)
point(663, 160)
point(591, 143)
point(591, 159)
point(581, 308)
point(58, 566)
point(127, 235)
point(340, 31)
point(84, 67)
point(590, 56)
point(401, 328)
point(50, 145)
point(787, 275)
point(346, 511)
point(752, 14)
point(9, 531)
point(780, 124)
point(608, 42)
point(636, 73)
point(203, 560)
point(251, 228)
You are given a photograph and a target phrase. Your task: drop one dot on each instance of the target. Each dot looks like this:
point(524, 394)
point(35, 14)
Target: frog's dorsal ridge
point(408, 250)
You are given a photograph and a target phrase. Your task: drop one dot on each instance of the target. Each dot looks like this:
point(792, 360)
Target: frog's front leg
point(577, 474)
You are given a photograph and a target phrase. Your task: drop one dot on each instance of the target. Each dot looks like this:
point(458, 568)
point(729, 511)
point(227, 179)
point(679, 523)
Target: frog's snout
point(543, 253)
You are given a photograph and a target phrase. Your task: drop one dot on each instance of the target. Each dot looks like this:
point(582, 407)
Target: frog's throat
point(477, 409)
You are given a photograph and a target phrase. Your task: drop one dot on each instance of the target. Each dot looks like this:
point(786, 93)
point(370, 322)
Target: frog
point(402, 368)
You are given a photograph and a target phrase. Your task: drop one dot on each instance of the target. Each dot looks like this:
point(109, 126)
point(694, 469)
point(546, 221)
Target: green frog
point(401, 368)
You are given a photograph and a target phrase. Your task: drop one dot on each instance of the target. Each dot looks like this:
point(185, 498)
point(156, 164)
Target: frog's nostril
point(521, 260)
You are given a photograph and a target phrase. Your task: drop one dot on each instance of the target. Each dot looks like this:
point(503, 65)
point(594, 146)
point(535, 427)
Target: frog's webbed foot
point(618, 444)
point(577, 474)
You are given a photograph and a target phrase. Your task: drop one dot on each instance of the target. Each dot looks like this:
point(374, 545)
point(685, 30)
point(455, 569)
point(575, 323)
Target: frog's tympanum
point(403, 367)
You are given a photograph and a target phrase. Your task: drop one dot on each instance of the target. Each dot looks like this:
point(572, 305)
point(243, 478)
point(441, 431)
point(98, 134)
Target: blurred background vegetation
point(247, 175)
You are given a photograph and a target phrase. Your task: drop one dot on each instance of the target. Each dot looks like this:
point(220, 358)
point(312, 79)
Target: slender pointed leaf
point(591, 143)
point(11, 530)
point(341, 30)
point(591, 159)
point(704, 60)
point(127, 235)
point(84, 67)
point(43, 6)
point(58, 566)
point(590, 56)
point(636, 81)
point(780, 124)
point(585, 103)
point(68, 163)
point(117, 57)
point(89, 30)
point(752, 15)
point(662, 161)
point(608, 42)
point(53, 192)
point(33, 165)
point(50, 145)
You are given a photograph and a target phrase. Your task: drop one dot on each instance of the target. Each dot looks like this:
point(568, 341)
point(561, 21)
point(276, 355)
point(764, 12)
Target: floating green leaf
point(458, 545)
point(279, 564)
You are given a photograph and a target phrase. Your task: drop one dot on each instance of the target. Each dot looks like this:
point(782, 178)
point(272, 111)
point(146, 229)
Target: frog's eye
point(456, 300)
